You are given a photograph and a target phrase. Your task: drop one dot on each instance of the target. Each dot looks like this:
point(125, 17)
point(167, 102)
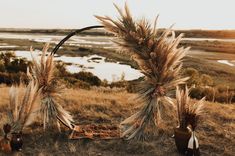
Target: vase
point(5, 145)
point(16, 142)
point(182, 136)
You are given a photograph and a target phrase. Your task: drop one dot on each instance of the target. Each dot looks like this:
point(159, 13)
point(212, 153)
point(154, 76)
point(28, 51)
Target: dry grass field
point(109, 107)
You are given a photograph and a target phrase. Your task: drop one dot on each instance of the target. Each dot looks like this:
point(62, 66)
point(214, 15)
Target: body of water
point(74, 41)
point(227, 62)
point(111, 71)
point(96, 64)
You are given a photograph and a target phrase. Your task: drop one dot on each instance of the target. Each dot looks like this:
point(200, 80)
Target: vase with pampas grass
point(159, 58)
point(21, 111)
point(188, 113)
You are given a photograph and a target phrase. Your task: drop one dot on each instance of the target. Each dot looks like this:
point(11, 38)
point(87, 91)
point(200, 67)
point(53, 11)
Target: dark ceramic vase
point(5, 142)
point(16, 142)
point(5, 145)
point(182, 137)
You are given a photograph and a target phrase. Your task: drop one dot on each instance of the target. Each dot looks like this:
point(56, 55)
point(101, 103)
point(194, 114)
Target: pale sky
point(185, 14)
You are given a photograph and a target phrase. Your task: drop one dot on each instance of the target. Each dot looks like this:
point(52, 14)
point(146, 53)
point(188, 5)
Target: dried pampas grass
point(158, 58)
point(22, 108)
point(42, 72)
point(188, 111)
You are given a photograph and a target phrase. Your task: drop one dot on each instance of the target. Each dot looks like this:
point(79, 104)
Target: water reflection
point(96, 64)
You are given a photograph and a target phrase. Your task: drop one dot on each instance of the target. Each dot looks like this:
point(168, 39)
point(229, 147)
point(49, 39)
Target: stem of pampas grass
point(158, 58)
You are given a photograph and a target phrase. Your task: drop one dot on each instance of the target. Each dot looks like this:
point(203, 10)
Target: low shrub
point(213, 94)
point(197, 79)
point(206, 80)
point(119, 84)
point(197, 93)
point(13, 78)
point(82, 85)
point(194, 76)
point(88, 77)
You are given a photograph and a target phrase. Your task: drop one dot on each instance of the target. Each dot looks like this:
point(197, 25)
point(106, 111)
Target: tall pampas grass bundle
point(42, 72)
point(158, 58)
point(188, 111)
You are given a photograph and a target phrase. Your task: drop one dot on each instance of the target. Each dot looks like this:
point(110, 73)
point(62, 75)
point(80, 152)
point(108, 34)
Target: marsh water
point(88, 40)
point(111, 71)
point(94, 63)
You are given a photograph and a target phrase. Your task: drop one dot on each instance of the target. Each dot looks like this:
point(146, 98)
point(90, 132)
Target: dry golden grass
point(98, 106)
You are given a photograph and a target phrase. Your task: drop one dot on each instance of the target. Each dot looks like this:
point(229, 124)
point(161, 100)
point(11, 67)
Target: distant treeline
point(199, 33)
point(95, 32)
point(194, 33)
point(207, 45)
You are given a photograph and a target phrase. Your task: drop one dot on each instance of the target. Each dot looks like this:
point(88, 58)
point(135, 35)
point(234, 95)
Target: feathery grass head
point(188, 111)
point(159, 59)
point(21, 109)
point(43, 72)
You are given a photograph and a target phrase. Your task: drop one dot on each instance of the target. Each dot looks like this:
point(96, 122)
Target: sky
point(185, 14)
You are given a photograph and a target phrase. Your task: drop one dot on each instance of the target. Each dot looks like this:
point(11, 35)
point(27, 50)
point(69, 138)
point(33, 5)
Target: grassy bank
point(109, 107)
